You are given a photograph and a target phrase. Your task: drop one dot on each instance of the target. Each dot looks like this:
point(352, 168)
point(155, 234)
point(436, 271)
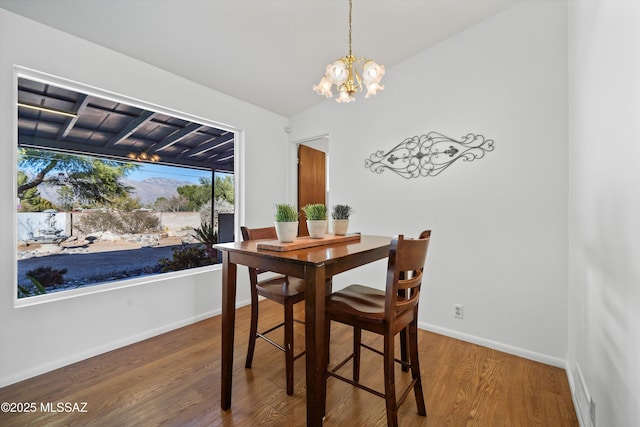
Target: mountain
point(147, 190)
point(150, 189)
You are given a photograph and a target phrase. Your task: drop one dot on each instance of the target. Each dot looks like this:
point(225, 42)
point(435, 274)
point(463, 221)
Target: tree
point(30, 200)
point(125, 203)
point(173, 204)
point(93, 181)
point(224, 188)
point(197, 195)
point(66, 198)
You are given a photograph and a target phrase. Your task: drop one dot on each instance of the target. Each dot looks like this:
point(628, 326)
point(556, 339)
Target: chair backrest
point(404, 273)
point(257, 234)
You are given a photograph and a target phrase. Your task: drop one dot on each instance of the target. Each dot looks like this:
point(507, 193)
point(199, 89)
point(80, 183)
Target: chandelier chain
point(350, 8)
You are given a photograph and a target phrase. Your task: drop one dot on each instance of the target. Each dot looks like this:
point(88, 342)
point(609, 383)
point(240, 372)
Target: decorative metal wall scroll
point(428, 155)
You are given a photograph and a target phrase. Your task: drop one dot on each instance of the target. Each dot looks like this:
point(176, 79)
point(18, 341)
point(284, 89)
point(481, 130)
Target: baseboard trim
point(78, 357)
point(579, 395)
point(47, 367)
point(517, 351)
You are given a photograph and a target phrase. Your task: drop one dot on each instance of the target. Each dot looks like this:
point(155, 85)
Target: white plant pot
point(287, 231)
point(340, 226)
point(317, 229)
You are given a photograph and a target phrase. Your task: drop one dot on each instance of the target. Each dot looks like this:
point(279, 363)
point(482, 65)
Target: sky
point(148, 170)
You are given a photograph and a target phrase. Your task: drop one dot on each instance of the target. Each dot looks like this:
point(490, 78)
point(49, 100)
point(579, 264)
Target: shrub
point(185, 256)
point(206, 234)
point(205, 212)
point(47, 276)
point(220, 206)
point(209, 236)
point(36, 288)
point(41, 278)
point(139, 222)
point(119, 222)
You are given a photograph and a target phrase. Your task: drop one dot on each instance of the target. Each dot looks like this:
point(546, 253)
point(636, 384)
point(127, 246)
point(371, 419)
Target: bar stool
point(281, 289)
point(387, 313)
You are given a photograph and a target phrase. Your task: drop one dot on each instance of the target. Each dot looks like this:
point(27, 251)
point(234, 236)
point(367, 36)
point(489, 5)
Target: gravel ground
point(104, 260)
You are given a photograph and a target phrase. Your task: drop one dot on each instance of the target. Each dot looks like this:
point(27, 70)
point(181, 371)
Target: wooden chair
point(281, 289)
point(387, 313)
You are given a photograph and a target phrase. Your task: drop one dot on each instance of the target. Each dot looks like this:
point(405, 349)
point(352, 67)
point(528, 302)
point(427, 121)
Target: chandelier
point(143, 156)
point(350, 74)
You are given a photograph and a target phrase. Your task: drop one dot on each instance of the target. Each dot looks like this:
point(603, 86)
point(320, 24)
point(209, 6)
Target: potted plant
point(286, 218)
point(207, 234)
point(316, 219)
point(340, 219)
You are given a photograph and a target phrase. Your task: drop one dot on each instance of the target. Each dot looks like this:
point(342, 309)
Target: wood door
point(312, 181)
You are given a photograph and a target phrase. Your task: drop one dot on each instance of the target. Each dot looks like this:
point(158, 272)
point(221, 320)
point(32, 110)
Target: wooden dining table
point(315, 264)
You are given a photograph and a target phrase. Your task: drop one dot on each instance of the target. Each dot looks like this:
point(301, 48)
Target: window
point(112, 191)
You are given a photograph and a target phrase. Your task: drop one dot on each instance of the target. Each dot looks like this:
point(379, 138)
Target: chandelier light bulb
point(143, 156)
point(345, 98)
point(373, 89)
point(324, 88)
point(337, 73)
point(372, 72)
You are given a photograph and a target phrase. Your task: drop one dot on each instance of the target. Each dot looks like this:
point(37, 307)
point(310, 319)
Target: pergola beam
point(78, 107)
point(175, 137)
point(211, 145)
point(130, 128)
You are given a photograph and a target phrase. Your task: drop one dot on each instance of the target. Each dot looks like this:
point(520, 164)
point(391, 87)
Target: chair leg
point(404, 349)
point(415, 367)
point(253, 332)
point(404, 345)
point(288, 345)
point(327, 340)
point(357, 340)
point(328, 286)
point(389, 381)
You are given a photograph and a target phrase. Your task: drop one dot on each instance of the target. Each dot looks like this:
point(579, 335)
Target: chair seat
point(358, 300)
point(277, 289)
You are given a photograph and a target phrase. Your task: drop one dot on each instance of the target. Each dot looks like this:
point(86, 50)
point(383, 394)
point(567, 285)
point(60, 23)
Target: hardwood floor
point(174, 380)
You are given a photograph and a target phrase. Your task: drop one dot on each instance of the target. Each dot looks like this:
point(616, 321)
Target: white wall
point(499, 243)
point(38, 338)
point(604, 209)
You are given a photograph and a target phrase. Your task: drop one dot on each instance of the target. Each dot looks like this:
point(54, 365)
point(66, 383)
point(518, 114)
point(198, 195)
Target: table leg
point(314, 340)
point(228, 325)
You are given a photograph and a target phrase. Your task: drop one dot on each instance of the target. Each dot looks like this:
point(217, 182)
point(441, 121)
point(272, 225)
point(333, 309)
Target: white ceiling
point(267, 52)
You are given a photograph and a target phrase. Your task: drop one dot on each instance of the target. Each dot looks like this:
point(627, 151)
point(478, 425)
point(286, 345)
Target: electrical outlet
point(458, 311)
